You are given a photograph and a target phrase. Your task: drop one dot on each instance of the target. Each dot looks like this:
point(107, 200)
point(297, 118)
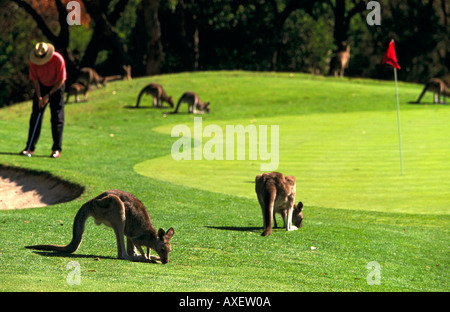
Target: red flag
point(390, 57)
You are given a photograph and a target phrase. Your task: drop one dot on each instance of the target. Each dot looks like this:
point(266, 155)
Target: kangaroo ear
point(169, 234)
point(161, 233)
point(300, 206)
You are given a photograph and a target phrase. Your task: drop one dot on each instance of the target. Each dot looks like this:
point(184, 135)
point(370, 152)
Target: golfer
point(48, 74)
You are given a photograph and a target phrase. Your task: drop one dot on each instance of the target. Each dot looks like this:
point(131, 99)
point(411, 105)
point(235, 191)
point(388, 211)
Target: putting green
point(342, 160)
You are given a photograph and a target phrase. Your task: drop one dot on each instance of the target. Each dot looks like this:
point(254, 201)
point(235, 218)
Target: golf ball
point(28, 155)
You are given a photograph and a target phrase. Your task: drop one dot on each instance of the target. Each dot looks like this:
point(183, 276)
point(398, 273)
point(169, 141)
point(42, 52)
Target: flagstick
point(398, 120)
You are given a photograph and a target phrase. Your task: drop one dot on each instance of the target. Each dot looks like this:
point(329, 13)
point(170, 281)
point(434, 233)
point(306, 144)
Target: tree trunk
point(340, 25)
point(342, 21)
point(104, 34)
point(188, 39)
point(154, 55)
point(196, 47)
point(279, 20)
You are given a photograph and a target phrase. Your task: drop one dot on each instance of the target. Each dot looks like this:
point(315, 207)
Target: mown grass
point(217, 244)
point(341, 160)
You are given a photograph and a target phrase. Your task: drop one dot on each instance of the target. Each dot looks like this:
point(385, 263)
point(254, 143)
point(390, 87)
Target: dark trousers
point(56, 103)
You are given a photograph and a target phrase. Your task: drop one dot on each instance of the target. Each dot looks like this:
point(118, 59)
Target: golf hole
point(24, 188)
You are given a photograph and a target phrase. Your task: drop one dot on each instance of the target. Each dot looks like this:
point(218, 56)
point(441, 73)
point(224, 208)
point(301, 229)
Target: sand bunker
point(22, 188)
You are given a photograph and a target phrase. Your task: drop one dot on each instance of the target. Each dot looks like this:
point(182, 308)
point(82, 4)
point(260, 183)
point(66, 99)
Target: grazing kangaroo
point(75, 90)
point(158, 93)
point(194, 104)
point(340, 61)
point(438, 87)
point(276, 194)
point(127, 216)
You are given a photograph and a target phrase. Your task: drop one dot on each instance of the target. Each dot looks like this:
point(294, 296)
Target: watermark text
point(374, 16)
point(74, 276)
point(230, 144)
point(74, 14)
point(374, 275)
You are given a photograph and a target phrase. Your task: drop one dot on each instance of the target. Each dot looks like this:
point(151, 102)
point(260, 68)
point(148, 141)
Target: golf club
point(26, 153)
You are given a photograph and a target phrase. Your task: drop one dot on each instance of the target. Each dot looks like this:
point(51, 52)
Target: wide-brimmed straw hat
point(42, 53)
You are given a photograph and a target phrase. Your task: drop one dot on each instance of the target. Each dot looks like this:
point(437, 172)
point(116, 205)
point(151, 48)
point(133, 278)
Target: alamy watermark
point(374, 16)
point(74, 14)
point(217, 145)
point(374, 275)
point(74, 276)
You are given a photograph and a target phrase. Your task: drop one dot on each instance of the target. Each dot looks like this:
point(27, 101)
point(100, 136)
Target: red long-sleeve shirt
point(49, 73)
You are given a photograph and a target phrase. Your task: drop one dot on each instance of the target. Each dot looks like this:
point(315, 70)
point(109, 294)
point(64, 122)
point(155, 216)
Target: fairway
point(338, 137)
point(341, 160)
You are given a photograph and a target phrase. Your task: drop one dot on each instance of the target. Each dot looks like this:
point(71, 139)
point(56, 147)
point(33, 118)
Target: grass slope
point(217, 244)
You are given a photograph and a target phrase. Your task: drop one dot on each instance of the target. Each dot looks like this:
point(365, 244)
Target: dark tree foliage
point(163, 36)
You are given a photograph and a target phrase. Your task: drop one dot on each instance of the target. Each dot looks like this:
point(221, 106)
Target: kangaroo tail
point(269, 200)
point(78, 229)
point(111, 78)
point(423, 92)
point(179, 103)
point(140, 95)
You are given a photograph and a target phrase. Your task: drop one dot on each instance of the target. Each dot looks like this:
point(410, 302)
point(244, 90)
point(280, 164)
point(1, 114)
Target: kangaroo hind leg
point(110, 210)
point(116, 219)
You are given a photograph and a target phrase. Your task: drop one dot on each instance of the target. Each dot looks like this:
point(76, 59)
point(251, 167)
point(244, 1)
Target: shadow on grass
point(83, 256)
point(134, 107)
point(236, 228)
point(147, 107)
point(71, 255)
point(425, 103)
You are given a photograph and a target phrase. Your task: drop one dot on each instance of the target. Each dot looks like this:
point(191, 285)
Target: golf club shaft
point(35, 127)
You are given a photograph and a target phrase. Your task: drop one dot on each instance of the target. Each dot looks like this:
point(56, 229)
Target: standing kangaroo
point(340, 61)
point(276, 194)
point(438, 87)
point(194, 103)
point(127, 216)
point(158, 93)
